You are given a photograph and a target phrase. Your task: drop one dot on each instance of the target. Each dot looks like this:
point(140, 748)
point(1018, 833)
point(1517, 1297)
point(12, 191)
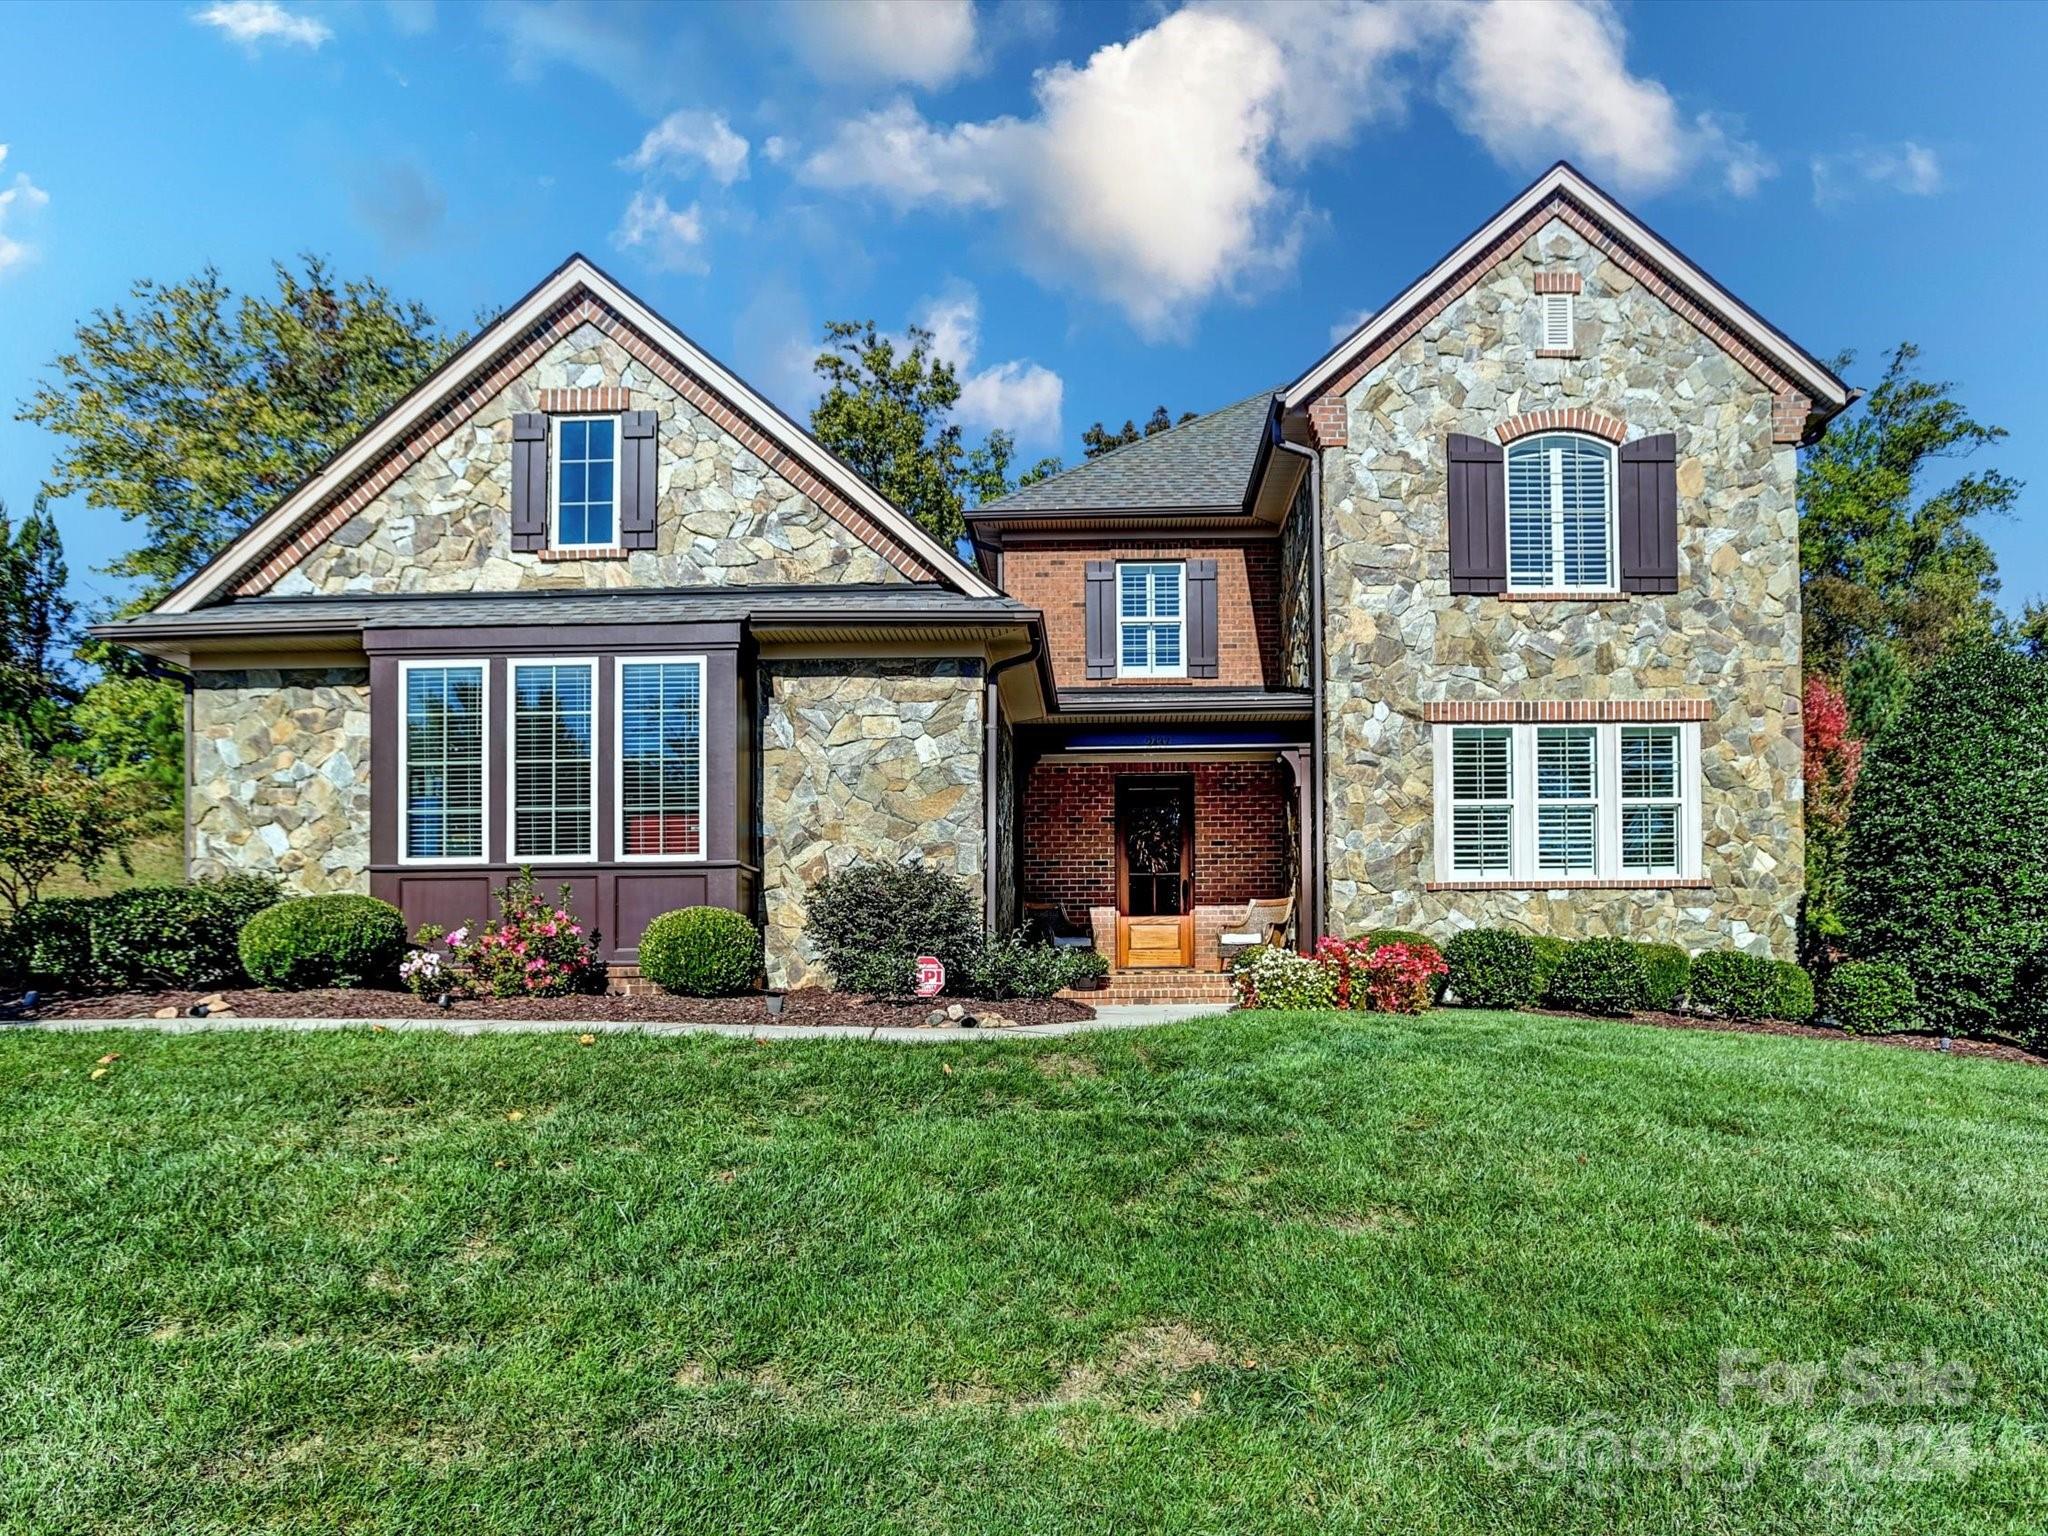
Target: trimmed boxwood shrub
point(1735, 985)
point(871, 920)
point(324, 941)
point(1600, 976)
point(1018, 965)
point(1947, 864)
point(53, 938)
point(1791, 992)
point(701, 952)
point(1669, 969)
point(166, 936)
point(1493, 968)
point(1549, 955)
point(1872, 997)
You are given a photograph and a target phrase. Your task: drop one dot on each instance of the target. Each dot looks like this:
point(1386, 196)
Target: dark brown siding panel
point(529, 481)
point(1101, 618)
point(1201, 618)
point(1476, 481)
point(637, 481)
point(1646, 507)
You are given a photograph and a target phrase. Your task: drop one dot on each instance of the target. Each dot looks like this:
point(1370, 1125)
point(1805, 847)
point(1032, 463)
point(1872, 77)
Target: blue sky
point(1099, 208)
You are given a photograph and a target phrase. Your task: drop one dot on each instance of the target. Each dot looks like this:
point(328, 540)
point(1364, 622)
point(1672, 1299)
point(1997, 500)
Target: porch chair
point(1265, 922)
point(1050, 921)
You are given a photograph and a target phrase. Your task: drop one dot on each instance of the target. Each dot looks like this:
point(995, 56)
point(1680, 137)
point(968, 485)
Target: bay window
point(441, 761)
point(661, 757)
point(1534, 804)
point(554, 804)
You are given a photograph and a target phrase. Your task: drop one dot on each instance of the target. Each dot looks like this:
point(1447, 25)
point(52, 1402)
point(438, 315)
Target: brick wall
point(1053, 578)
point(1242, 847)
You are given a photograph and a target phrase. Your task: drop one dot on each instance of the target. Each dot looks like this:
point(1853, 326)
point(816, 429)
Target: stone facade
point(725, 518)
point(864, 758)
point(1297, 576)
point(280, 770)
point(1396, 639)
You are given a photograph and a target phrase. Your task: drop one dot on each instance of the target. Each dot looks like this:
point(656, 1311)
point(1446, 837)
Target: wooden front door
point(1155, 871)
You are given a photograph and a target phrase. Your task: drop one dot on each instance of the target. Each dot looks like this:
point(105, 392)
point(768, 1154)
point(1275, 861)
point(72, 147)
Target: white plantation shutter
point(1560, 514)
point(1151, 620)
point(1567, 796)
point(1651, 800)
point(1557, 322)
point(661, 758)
point(552, 800)
point(444, 761)
point(1482, 800)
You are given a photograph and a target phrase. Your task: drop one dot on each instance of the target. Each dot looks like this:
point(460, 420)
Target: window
point(1557, 322)
point(441, 761)
point(553, 808)
point(1560, 515)
point(661, 757)
point(1530, 804)
point(1150, 620)
point(586, 481)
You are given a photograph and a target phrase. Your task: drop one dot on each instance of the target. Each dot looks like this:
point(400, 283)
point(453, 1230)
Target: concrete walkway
point(1108, 1017)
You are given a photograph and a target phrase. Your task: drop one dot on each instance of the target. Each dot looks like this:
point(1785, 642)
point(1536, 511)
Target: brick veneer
point(1574, 419)
point(1508, 711)
point(1053, 578)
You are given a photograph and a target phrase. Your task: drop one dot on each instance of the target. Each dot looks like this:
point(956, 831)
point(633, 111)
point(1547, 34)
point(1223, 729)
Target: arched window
point(1560, 514)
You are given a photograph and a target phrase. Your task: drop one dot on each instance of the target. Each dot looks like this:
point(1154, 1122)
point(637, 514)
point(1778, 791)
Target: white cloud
point(1743, 165)
point(671, 239)
point(1018, 397)
point(927, 43)
point(693, 137)
point(20, 198)
point(1908, 168)
point(410, 18)
point(1350, 323)
point(253, 23)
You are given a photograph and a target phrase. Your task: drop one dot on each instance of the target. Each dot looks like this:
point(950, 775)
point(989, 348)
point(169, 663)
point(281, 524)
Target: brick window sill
point(1557, 351)
point(1569, 885)
point(562, 556)
point(1564, 597)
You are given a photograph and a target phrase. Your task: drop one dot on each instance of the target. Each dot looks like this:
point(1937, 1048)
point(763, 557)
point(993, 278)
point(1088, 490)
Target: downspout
point(991, 781)
point(1312, 919)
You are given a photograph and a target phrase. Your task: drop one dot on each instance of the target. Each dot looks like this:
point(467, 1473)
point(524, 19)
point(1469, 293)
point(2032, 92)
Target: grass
point(1254, 1273)
point(157, 859)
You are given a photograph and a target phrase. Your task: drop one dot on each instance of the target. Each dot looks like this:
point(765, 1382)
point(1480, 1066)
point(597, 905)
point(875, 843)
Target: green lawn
point(1247, 1274)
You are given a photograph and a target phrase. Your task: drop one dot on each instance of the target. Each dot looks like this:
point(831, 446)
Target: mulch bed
point(1989, 1050)
point(807, 1005)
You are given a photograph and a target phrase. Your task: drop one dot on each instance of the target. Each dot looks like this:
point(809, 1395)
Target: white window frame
point(1607, 866)
point(555, 425)
point(405, 668)
point(1557, 314)
point(619, 665)
point(1180, 570)
point(512, 666)
point(1553, 580)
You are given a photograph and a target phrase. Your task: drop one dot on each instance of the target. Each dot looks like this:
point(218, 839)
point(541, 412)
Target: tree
point(131, 730)
point(198, 410)
point(53, 813)
point(2032, 630)
point(1098, 439)
point(36, 621)
point(1834, 756)
point(1882, 560)
point(889, 415)
point(1947, 864)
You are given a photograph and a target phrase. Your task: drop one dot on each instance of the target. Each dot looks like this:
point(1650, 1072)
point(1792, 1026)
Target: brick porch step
point(1159, 987)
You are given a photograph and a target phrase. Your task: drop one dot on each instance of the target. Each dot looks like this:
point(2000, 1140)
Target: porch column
point(1308, 917)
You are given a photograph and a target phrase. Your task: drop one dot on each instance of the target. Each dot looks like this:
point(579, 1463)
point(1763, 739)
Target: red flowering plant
point(1400, 978)
point(1343, 959)
point(534, 948)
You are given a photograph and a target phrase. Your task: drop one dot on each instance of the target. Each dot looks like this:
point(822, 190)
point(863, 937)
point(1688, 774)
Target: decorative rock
point(955, 1011)
point(165, 1013)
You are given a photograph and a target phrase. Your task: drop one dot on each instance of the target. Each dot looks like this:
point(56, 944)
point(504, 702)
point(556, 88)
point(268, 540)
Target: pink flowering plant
point(533, 948)
point(1398, 978)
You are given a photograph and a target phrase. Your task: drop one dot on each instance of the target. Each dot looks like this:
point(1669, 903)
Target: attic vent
point(1557, 322)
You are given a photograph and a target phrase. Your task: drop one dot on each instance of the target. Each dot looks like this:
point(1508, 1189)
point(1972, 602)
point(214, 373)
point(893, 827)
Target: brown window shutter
point(637, 480)
point(1476, 478)
point(1646, 506)
point(1101, 618)
point(529, 481)
point(1201, 619)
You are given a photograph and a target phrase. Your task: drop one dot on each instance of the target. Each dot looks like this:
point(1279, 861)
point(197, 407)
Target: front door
point(1155, 869)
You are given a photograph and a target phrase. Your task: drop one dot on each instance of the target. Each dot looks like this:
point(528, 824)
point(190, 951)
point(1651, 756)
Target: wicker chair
point(1050, 922)
point(1265, 922)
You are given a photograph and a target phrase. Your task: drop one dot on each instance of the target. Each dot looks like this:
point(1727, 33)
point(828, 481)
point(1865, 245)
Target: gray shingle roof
point(872, 604)
point(1205, 463)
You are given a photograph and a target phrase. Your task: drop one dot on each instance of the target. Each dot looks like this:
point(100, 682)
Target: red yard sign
point(931, 976)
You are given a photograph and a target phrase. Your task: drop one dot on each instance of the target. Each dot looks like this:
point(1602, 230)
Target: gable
point(421, 503)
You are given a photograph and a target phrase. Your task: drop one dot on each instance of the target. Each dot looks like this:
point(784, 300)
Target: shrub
point(871, 920)
point(1550, 952)
point(53, 939)
point(1872, 997)
point(1947, 859)
point(1669, 969)
point(246, 895)
point(701, 952)
point(1279, 978)
point(1791, 992)
point(1600, 976)
point(1735, 985)
point(1018, 965)
point(1400, 978)
point(1493, 968)
point(323, 941)
point(533, 948)
point(1375, 938)
point(166, 936)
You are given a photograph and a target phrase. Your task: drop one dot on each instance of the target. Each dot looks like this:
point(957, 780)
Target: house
point(1489, 617)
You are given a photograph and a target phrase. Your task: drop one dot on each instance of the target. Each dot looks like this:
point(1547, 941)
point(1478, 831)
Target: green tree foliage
point(1100, 439)
point(131, 730)
point(1884, 558)
point(1947, 864)
point(52, 813)
point(36, 620)
point(194, 410)
point(1876, 688)
point(887, 411)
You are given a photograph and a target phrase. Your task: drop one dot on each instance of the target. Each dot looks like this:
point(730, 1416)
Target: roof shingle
point(1205, 463)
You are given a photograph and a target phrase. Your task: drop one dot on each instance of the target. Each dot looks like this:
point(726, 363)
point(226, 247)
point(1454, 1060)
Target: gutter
point(1314, 885)
point(991, 783)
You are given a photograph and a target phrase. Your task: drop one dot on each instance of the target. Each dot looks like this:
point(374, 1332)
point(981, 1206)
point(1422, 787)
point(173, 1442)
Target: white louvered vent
point(1557, 322)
